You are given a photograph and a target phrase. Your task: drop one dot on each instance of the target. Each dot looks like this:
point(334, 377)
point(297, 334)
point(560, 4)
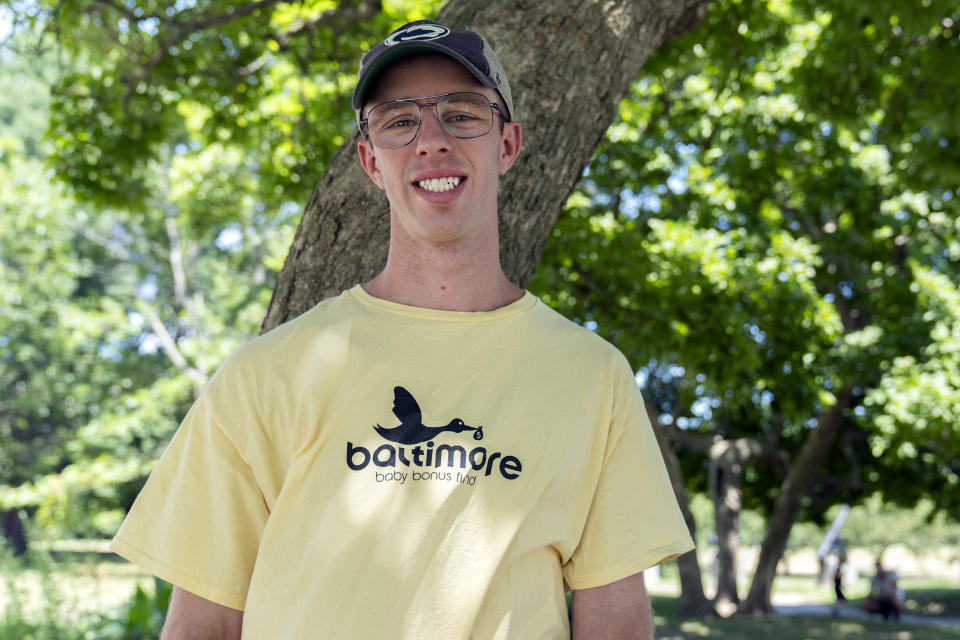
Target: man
point(433, 454)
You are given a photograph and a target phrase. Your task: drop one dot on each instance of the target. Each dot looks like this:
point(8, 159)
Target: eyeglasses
point(464, 114)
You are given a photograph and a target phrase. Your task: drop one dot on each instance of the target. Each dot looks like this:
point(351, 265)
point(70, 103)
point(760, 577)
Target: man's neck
point(448, 278)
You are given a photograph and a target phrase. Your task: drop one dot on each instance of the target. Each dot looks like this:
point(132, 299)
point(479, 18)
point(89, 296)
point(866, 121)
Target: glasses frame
point(495, 108)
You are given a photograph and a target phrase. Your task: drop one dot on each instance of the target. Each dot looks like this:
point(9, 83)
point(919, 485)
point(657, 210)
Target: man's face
point(423, 208)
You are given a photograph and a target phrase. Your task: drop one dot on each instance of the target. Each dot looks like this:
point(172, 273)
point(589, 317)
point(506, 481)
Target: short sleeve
point(197, 522)
point(634, 521)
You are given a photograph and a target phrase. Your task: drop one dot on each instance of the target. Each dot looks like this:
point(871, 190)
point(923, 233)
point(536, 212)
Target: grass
point(925, 597)
point(786, 628)
point(934, 601)
point(931, 598)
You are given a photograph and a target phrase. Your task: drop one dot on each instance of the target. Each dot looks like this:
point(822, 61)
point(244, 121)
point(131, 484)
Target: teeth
point(439, 184)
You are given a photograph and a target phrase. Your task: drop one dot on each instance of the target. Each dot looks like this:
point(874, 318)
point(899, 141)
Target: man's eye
point(460, 117)
point(400, 123)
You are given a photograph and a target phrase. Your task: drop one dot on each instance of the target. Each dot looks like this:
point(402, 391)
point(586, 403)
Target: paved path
point(853, 613)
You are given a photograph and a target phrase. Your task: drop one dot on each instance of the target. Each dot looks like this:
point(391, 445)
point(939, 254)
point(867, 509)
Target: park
point(756, 202)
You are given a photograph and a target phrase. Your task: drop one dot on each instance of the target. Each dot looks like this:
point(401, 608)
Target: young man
point(433, 454)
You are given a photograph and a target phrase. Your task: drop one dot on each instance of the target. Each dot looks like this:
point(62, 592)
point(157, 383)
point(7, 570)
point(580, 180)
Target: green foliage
point(143, 616)
point(874, 525)
point(65, 348)
point(772, 222)
point(916, 406)
point(87, 294)
point(877, 524)
point(70, 349)
point(23, 620)
point(55, 612)
point(23, 122)
point(108, 458)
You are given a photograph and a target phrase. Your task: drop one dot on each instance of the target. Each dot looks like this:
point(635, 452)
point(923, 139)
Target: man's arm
point(194, 618)
point(616, 611)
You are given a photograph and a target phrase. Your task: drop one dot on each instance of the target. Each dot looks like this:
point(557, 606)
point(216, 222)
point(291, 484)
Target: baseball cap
point(468, 48)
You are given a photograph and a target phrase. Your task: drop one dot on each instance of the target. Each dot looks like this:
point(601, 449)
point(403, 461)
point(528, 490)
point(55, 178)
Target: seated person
point(885, 598)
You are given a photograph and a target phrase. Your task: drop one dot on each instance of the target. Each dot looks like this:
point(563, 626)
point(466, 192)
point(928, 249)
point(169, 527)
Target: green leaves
point(916, 407)
point(104, 137)
point(768, 216)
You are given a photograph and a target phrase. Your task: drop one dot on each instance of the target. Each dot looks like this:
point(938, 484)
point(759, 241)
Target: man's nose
point(432, 137)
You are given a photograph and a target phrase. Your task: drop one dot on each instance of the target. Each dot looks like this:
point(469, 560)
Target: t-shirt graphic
point(411, 429)
point(415, 449)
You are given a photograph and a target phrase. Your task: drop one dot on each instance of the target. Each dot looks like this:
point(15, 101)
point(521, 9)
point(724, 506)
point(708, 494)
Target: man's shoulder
point(572, 337)
point(287, 342)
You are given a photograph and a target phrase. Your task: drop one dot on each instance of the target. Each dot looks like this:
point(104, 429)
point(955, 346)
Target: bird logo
point(411, 429)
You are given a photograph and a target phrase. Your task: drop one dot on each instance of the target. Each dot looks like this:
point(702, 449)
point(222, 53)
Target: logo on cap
point(417, 32)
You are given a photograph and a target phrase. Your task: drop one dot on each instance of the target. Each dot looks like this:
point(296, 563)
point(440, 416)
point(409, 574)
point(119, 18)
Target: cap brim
point(405, 50)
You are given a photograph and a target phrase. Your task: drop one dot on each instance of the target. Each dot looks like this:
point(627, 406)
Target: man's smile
point(439, 184)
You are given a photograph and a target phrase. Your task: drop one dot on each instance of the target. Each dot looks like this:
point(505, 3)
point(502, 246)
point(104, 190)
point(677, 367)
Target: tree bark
point(693, 602)
point(796, 486)
point(727, 459)
point(727, 494)
point(570, 64)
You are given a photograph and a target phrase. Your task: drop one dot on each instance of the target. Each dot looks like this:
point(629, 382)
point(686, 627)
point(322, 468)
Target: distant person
point(884, 595)
point(838, 585)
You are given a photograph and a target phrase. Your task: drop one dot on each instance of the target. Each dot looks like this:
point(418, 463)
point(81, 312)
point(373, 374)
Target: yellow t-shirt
point(373, 470)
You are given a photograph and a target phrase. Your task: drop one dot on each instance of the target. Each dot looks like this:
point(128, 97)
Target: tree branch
point(176, 265)
point(116, 246)
point(170, 348)
point(337, 20)
point(831, 485)
point(698, 442)
point(180, 31)
point(343, 16)
point(688, 20)
point(130, 14)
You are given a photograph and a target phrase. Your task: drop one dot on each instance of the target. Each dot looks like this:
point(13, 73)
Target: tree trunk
point(693, 603)
point(13, 531)
point(570, 64)
point(796, 486)
point(725, 490)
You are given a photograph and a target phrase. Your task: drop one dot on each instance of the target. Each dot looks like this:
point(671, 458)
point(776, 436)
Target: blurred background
point(769, 231)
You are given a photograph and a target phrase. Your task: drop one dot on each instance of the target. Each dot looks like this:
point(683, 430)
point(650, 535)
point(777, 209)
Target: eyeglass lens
point(463, 115)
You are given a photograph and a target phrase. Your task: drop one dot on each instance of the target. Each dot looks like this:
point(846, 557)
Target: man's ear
point(510, 143)
point(368, 160)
